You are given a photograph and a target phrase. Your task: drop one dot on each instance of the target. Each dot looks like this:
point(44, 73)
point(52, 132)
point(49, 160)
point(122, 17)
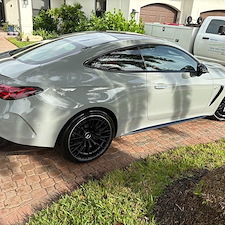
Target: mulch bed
point(179, 205)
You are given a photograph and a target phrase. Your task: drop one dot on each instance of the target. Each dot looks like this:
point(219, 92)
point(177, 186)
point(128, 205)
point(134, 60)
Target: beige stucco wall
point(185, 8)
point(123, 5)
point(11, 12)
point(203, 5)
point(88, 5)
point(25, 14)
point(15, 9)
point(56, 3)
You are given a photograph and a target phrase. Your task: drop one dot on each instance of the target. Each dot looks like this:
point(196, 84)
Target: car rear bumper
point(31, 123)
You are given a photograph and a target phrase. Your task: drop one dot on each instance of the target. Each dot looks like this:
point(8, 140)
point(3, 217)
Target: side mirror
point(201, 69)
point(221, 30)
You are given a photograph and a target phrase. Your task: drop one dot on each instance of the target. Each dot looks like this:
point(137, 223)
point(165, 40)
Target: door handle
point(205, 38)
point(160, 86)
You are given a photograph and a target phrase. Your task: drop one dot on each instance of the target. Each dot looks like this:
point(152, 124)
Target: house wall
point(11, 12)
point(202, 6)
point(56, 3)
point(123, 5)
point(88, 5)
point(25, 15)
point(185, 8)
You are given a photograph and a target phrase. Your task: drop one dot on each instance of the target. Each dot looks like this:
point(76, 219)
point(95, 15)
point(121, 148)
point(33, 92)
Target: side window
point(166, 58)
point(121, 60)
point(214, 25)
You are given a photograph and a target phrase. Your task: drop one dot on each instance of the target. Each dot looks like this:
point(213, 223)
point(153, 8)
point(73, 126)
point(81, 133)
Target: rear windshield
point(48, 52)
point(61, 47)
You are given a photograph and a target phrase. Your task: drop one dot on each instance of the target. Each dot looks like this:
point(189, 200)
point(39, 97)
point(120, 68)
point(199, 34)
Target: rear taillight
point(13, 93)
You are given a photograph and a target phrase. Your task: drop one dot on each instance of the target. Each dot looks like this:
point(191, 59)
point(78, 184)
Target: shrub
point(45, 34)
point(5, 26)
point(45, 21)
point(115, 21)
point(70, 18)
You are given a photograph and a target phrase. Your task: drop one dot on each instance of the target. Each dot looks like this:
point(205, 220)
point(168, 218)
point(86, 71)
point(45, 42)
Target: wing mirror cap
point(201, 69)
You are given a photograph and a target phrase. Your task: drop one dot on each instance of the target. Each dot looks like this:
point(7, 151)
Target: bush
point(45, 34)
point(45, 21)
point(5, 26)
point(115, 21)
point(70, 18)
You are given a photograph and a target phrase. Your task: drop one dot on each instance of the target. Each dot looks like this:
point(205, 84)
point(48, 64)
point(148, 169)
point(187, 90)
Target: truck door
point(209, 44)
point(174, 91)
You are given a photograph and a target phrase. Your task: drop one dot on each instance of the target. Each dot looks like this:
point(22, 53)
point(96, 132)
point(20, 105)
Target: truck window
point(214, 26)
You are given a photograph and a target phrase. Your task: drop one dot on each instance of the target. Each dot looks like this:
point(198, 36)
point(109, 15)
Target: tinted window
point(214, 25)
point(166, 58)
point(125, 60)
point(61, 47)
point(48, 52)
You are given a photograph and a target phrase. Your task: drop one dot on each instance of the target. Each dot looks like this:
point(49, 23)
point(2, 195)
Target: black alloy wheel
point(220, 112)
point(88, 136)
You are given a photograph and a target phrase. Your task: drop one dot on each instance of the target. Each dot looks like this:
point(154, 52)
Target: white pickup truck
point(206, 42)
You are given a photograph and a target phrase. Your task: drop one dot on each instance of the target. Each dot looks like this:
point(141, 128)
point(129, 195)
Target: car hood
point(216, 70)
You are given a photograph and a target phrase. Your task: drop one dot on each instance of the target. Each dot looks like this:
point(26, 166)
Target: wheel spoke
point(100, 137)
point(90, 137)
point(94, 142)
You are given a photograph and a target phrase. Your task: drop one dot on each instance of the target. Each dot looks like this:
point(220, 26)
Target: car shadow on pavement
point(30, 177)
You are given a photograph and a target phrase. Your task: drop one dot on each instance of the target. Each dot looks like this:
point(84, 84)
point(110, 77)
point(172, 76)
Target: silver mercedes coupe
point(79, 91)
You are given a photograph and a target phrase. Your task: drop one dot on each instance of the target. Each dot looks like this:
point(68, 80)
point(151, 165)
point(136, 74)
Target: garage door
point(213, 13)
point(160, 13)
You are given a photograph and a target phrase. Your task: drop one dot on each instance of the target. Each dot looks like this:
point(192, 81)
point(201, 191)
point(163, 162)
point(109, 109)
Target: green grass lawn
point(19, 44)
point(128, 196)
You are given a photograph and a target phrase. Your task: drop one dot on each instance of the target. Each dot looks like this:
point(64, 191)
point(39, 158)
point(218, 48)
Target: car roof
point(91, 39)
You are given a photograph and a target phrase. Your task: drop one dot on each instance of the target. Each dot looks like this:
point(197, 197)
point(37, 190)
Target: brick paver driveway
point(29, 176)
point(4, 44)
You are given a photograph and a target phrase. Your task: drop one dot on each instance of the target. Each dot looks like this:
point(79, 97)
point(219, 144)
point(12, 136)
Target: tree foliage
point(45, 21)
point(115, 21)
point(71, 18)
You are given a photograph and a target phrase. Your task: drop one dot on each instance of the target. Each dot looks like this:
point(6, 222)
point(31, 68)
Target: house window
point(38, 5)
point(2, 12)
point(100, 7)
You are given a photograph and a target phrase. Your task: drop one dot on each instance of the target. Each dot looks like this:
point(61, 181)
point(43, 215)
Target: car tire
point(220, 112)
point(3, 142)
point(87, 136)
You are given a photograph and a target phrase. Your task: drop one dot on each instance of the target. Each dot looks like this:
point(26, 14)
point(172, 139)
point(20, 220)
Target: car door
point(175, 92)
point(121, 87)
point(209, 43)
